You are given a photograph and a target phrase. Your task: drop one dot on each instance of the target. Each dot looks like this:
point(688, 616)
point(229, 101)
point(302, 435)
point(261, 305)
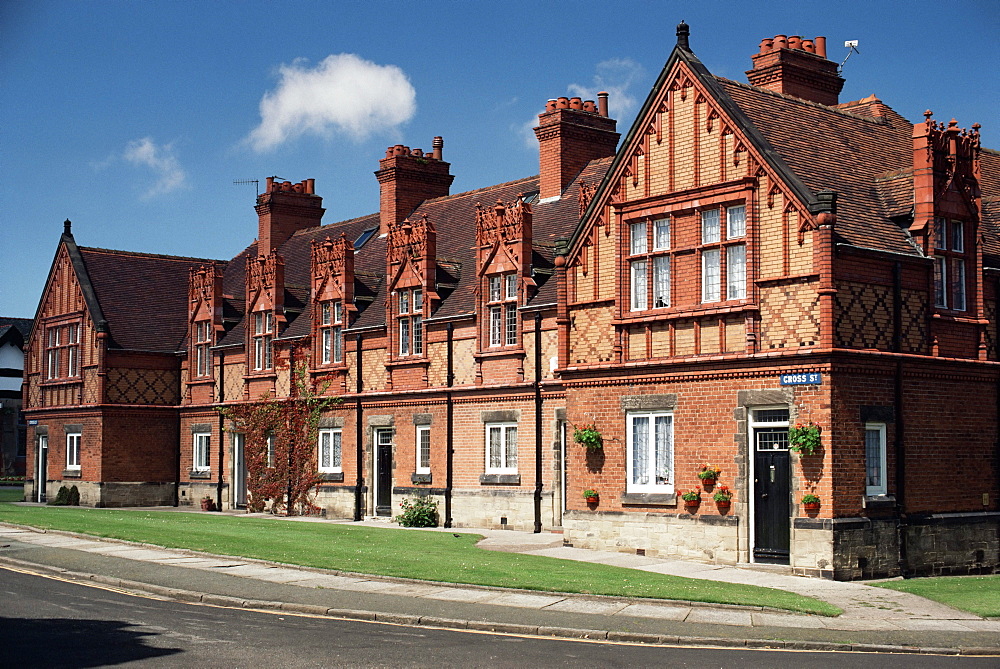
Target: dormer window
point(263, 334)
point(62, 354)
point(332, 331)
point(202, 342)
point(502, 309)
point(949, 265)
point(410, 307)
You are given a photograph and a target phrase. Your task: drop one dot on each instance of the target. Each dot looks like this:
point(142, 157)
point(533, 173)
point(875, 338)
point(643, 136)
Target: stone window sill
point(422, 478)
point(648, 499)
point(332, 477)
point(199, 474)
point(500, 479)
point(71, 473)
point(879, 502)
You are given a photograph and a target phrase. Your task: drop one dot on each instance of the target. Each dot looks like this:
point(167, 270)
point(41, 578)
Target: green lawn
point(975, 594)
point(430, 556)
point(11, 494)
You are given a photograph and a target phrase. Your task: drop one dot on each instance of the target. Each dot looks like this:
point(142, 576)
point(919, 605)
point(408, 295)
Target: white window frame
point(878, 431)
point(711, 275)
point(662, 481)
point(422, 457)
point(263, 336)
point(202, 455)
point(404, 336)
point(661, 282)
point(661, 234)
point(74, 441)
point(637, 238)
point(958, 284)
point(736, 221)
point(638, 278)
point(506, 462)
point(501, 310)
point(736, 272)
point(711, 227)
point(332, 461)
point(941, 282)
point(269, 453)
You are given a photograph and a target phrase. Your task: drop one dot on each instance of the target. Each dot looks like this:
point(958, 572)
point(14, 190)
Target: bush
point(418, 512)
point(62, 497)
point(73, 499)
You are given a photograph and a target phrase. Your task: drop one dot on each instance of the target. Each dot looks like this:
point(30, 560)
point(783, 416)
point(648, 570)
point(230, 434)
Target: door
point(383, 472)
point(41, 467)
point(239, 470)
point(771, 487)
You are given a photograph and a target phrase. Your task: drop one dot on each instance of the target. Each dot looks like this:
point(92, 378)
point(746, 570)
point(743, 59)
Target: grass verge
point(12, 494)
point(430, 556)
point(975, 594)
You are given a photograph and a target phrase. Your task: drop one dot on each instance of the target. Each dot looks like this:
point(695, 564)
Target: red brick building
point(750, 258)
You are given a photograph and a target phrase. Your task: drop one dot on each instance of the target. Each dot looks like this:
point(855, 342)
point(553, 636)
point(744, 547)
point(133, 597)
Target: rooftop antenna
point(852, 47)
point(244, 182)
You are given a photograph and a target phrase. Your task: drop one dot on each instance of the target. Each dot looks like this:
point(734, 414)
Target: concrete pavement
point(873, 619)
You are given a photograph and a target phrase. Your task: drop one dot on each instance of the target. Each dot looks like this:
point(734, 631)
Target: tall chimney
point(283, 209)
point(571, 133)
point(796, 67)
point(406, 178)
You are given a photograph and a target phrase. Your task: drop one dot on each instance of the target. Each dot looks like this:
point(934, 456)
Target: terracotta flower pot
point(708, 483)
point(724, 506)
point(811, 507)
point(592, 500)
point(692, 503)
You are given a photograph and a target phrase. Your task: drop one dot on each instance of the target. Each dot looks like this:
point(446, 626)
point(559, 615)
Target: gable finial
point(683, 31)
point(67, 227)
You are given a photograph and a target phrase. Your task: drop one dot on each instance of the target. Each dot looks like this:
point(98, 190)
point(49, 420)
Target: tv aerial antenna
point(245, 182)
point(852, 47)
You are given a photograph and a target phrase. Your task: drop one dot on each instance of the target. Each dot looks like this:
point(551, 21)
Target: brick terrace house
point(749, 258)
point(13, 332)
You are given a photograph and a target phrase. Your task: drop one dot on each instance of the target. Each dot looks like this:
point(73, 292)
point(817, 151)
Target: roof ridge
point(480, 190)
point(877, 120)
point(142, 254)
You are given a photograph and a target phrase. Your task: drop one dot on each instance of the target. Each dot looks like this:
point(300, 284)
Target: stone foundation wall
point(940, 544)
point(812, 548)
point(110, 495)
point(487, 508)
point(336, 502)
point(710, 538)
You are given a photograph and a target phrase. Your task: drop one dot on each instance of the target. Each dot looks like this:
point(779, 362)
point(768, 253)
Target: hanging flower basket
point(589, 437)
point(810, 503)
point(692, 498)
point(709, 475)
point(804, 438)
point(592, 496)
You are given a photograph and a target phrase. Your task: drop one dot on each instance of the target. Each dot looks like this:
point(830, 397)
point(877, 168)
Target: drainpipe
point(359, 451)
point(538, 422)
point(900, 451)
point(449, 427)
point(222, 425)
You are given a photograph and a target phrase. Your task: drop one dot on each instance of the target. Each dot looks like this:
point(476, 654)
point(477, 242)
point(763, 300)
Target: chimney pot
point(311, 186)
point(436, 145)
point(807, 45)
point(794, 42)
point(780, 42)
point(602, 103)
point(765, 45)
point(575, 103)
point(820, 43)
point(562, 103)
point(589, 106)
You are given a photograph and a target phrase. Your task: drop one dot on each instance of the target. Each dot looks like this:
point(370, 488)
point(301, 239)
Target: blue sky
point(133, 119)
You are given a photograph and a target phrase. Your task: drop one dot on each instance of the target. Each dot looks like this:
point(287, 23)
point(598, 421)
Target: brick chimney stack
point(571, 133)
point(406, 178)
point(283, 209)
point(796, 67)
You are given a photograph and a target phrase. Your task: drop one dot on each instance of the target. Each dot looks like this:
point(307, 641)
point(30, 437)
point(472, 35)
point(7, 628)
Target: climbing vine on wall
point(280, 445)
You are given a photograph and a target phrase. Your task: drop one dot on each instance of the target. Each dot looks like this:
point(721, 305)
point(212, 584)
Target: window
point(721, 254)
point(410, 306)
point(331, 332)
point(502, 309)
point(949, 264)
point(423, 449)
point(73, 450)
point(63, 345)
point(650, 453)
point(329, 451)
point(875, 467)
point(202, 342)
point(501, 448)
point(269, 457)
point(642, 291)
point(202, 451)
point(263, 333)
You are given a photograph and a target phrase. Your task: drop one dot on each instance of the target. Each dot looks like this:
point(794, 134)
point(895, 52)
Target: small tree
point(285, 470)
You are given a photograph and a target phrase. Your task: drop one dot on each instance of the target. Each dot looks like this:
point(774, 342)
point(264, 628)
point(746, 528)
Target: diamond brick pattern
point(143, 386)
point(789, 315)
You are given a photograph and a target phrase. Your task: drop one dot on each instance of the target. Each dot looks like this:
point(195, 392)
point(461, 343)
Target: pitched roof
point(143, 296)
point(15, 330)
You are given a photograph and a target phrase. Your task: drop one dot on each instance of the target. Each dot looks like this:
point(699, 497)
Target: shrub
point(588, 436)
point(73, 498)
point(418, 512)
point(62, 497)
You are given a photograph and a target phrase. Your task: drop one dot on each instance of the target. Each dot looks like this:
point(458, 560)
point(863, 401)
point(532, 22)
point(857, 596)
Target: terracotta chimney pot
point(602, 103)
point(820, 46)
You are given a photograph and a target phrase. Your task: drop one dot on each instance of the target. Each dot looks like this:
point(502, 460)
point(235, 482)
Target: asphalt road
point(49, 622)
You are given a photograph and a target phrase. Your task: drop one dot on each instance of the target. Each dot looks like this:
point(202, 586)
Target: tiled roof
point(832, 149)
point(990, 185)
point(143, 296)
point(23, 325)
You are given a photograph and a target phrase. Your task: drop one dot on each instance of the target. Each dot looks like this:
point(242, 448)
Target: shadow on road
point(64, 642)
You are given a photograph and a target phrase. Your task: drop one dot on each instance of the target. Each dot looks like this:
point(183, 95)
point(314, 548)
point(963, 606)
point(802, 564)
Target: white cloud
point(161, 160)
point(616, 76)
point(343, 93)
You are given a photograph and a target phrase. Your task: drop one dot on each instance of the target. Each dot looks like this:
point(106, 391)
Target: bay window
point(949, 264)
point(331, 332)
point(263, 334)
point(409, 317)
point(501, 305)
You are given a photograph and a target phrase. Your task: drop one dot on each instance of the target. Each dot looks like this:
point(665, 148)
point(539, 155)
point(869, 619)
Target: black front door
point(383, 473)
point(772, 478)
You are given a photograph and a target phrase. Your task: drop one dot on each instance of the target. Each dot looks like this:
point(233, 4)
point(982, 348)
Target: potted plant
point(591, 496)
point(709, 475)
point(588, 436)
point(804, 438)
point(207, 503)
point(692, 498)
point(810, 502)
point(723, 498)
